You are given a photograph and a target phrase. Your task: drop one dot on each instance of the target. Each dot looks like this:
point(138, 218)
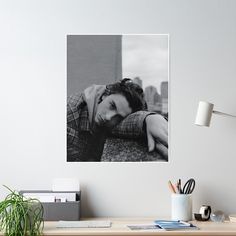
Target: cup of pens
point(181, 200)
point(181, 207)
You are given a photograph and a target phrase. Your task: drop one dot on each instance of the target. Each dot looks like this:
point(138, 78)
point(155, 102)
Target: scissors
point(189, 186)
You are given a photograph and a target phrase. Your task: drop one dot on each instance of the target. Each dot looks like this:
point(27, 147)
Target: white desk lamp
point(204, 113)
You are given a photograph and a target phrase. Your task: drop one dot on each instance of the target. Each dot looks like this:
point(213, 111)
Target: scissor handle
point(189, 186)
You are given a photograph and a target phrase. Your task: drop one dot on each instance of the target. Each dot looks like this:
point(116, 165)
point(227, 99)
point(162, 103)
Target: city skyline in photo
point(146, 57)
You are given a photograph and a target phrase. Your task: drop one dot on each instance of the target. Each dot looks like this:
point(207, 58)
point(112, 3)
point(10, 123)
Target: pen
point(184, 223)
point(180, 189)
point(171, 187)
point(177, 187)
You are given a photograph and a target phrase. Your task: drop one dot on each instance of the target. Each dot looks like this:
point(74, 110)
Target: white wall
point(33, 101)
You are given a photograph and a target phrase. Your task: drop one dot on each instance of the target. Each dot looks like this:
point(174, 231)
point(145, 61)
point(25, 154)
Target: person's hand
point(157, 134)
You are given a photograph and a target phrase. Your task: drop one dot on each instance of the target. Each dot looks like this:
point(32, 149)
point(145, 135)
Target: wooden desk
point(119, 228)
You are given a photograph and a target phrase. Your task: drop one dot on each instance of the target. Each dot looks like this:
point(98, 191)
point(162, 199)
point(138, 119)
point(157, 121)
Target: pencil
point(171, 187)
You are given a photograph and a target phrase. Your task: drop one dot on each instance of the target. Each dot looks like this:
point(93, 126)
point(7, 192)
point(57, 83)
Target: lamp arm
point(223, 114)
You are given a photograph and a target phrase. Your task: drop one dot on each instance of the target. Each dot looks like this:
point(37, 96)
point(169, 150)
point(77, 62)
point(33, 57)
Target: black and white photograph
point(117, 98)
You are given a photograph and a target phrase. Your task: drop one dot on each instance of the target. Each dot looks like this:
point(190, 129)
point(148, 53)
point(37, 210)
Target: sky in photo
point(145, 56)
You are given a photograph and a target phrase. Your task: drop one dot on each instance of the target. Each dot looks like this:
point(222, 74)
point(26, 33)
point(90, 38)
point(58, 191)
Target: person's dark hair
point(131, 91)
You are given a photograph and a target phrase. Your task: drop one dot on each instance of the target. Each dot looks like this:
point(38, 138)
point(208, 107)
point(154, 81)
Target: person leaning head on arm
point(91, 114)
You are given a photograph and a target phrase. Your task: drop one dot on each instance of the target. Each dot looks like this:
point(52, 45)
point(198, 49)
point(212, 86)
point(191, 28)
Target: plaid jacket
point(85, 145)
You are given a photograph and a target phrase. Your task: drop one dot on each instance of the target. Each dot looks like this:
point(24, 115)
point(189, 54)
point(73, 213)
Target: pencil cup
point(181, 207)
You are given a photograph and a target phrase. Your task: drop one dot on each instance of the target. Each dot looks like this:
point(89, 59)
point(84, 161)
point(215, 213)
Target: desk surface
point(119, 228)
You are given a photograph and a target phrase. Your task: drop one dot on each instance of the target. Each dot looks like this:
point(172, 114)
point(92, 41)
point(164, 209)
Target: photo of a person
point(111, 121)
point(92, 114)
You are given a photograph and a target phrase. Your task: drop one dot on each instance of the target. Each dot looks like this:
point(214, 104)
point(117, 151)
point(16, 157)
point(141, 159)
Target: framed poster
point(117, 98)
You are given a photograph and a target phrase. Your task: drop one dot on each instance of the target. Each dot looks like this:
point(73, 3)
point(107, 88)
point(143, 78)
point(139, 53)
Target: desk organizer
point(54, 211)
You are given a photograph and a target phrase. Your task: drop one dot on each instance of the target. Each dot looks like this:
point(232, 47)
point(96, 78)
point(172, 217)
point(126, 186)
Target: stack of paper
point(51, 196)
point(84, 224)
point(144, 227)
point(175, 225)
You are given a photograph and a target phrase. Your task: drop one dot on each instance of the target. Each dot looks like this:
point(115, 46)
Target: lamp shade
point(204, 113)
